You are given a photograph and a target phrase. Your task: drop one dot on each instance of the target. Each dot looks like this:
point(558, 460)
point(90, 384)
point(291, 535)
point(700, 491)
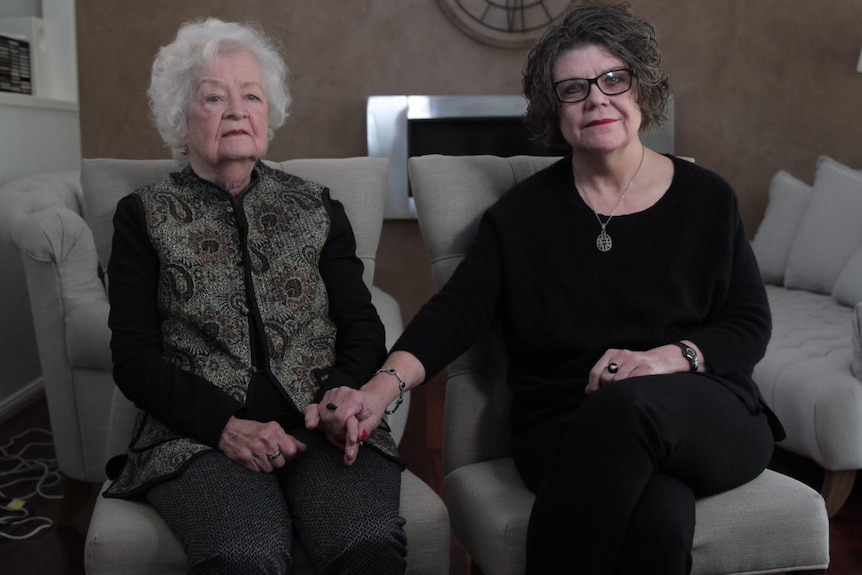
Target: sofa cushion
point(805, 377)
point(848, 286)
point(829, 232)
point(788, 199)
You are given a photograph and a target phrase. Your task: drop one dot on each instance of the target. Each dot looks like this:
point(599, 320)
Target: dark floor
point(402, 271)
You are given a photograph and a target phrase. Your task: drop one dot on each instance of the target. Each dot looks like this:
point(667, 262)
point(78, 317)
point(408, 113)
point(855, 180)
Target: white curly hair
point(177, 67)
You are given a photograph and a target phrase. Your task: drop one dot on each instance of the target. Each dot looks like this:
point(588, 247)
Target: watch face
point(504, 23)
point(691, 356)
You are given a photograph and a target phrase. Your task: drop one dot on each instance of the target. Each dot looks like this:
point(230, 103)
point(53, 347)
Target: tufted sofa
point(62, 225)
point(809, 248)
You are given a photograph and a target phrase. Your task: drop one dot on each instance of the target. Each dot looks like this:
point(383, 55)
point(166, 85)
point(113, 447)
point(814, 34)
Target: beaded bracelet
point(402, 385)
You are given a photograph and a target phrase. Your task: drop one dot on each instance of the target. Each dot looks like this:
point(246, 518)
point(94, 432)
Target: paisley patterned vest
point(221, 263)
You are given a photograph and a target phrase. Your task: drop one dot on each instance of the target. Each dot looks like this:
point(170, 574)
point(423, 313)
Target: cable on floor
point(17, 471)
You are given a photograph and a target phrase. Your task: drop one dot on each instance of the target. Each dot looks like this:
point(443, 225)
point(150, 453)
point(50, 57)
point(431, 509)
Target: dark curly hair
point(617, 28)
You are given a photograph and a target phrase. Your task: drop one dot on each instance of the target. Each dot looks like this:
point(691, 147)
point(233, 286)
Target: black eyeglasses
point(610, 83)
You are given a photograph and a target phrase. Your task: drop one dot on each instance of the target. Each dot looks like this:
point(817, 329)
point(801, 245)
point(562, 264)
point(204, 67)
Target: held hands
point(619, 364)
point(258, 446)
point(347, 417)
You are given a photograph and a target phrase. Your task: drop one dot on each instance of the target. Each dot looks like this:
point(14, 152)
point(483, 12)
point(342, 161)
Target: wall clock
point(504, 23)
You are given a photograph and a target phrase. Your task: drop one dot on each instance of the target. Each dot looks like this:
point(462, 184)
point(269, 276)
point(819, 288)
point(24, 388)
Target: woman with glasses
point(632, 314)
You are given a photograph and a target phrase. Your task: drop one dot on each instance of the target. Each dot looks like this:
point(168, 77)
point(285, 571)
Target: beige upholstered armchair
point(773, 524)
point(63, 229)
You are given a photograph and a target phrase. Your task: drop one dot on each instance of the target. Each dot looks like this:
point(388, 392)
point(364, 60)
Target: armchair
point(773, 524)
point(63, 229)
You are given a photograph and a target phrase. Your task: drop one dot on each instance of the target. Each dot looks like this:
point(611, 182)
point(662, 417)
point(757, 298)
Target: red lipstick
point(600, 122)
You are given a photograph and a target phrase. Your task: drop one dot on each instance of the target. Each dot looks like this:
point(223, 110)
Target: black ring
point(274, 456)
point(331, 406)
point(613, 368)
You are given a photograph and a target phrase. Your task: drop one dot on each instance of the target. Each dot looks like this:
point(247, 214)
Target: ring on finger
point(613, 367)
point(274, 456)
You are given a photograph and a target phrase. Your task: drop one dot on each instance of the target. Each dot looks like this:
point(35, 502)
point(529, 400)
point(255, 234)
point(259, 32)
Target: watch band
point(689, 354)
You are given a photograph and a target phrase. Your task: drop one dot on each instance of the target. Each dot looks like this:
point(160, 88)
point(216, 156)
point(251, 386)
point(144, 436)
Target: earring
point(184, 150)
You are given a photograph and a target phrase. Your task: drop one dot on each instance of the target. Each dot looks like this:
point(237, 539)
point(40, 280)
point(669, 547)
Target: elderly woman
point(237, 300)
point(632, 313)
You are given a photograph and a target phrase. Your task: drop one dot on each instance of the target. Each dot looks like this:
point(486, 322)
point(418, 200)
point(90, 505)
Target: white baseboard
point(22, 398)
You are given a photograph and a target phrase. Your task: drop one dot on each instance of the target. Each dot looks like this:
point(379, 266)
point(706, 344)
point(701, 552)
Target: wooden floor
point(402, 271)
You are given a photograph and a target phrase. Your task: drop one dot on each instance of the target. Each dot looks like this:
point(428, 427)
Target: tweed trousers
point(234, 520)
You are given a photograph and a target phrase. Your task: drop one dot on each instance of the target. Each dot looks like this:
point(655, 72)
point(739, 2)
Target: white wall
point(21, 8)
point(38, 139)
point(37, 135)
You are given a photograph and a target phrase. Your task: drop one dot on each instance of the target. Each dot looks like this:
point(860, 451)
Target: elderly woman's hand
point(258, 446)
point(346, 416)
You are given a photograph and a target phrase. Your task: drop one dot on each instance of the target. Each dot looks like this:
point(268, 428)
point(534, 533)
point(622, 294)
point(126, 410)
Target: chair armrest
point(33, 194)
point(59, 239)
point(70, 315)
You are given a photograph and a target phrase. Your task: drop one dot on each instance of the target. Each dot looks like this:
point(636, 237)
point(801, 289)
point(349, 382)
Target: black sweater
point(682, 269)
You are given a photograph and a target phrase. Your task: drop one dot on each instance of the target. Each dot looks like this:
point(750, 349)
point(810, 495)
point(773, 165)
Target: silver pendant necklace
point(604, 243)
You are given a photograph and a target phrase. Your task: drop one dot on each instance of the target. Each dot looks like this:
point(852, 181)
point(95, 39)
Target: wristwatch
point(689, 354)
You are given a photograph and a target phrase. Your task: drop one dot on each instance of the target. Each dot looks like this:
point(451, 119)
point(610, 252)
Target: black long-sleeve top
point(682, 269)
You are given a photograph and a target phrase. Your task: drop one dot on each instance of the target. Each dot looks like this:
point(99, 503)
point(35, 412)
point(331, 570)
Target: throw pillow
point(788, 198)
point(829, 232)
point(848, 286)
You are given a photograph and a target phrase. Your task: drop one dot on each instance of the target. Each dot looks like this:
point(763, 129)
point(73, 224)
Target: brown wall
point(760, 85)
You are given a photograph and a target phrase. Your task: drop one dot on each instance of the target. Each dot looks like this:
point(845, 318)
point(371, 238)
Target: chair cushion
point(105, 182)
point(489, 508)
point(129, 537)
point(752, 529)
point(471, 185)
point(772, 523)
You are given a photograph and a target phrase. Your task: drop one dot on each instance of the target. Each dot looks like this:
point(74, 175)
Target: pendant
point(604, 242)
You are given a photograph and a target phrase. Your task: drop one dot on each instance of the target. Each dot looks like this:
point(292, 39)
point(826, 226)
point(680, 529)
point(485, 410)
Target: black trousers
point(616, 481)
point(232, 520)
